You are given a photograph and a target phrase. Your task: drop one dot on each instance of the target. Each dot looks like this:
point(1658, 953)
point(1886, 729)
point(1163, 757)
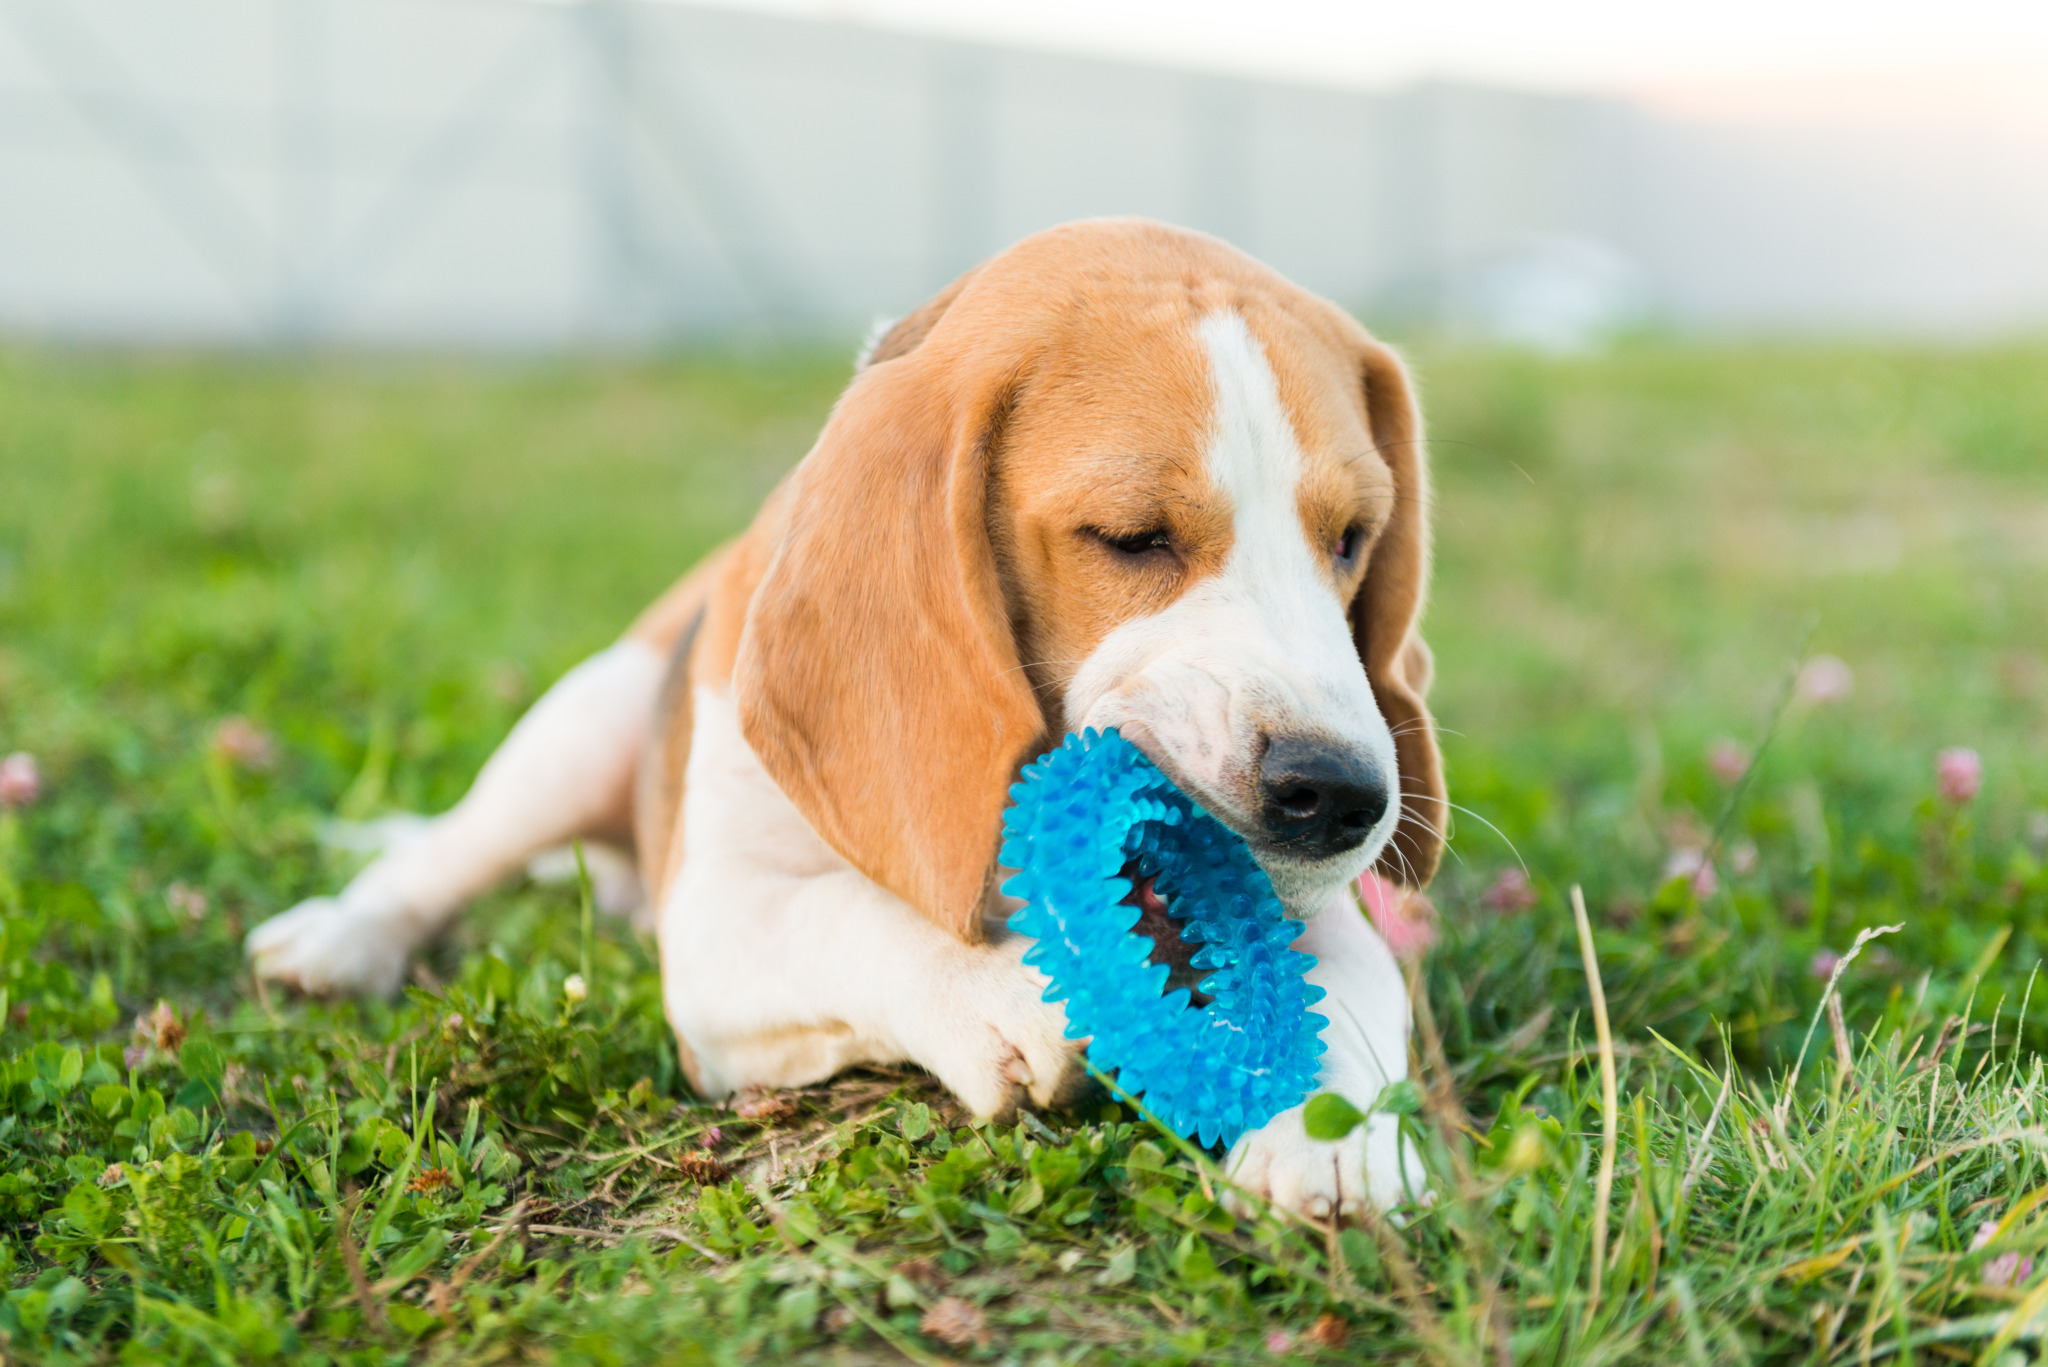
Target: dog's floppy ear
point(877, 678)
point(1384, 621)
point(907, 333)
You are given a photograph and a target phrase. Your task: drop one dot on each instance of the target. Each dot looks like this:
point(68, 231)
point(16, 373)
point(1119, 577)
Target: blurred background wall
point(507, 173)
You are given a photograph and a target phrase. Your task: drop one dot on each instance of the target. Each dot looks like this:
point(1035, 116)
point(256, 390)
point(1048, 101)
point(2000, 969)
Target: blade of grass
point(1704, 1151)
point(352, 1262)
point(1610, 1123)
point(1863, 937)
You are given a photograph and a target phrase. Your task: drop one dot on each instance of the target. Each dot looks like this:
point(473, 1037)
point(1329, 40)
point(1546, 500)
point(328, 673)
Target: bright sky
point(1962, 56)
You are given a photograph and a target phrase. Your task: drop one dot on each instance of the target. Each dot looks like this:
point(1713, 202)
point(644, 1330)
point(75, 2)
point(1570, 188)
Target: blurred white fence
point(514, 173)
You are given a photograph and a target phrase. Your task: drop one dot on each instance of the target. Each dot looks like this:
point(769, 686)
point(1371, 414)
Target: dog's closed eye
point(1138, 545)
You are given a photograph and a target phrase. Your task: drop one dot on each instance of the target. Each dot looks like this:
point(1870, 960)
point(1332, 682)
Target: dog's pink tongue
point(1404, 919)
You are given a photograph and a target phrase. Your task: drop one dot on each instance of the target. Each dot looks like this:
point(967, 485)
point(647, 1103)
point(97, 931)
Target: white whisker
point(1442, 839)
point(1491, 827)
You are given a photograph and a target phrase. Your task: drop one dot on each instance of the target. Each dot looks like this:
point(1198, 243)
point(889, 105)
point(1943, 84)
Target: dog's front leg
point(1367, 1047)
point(782, 984)
point(782, 964)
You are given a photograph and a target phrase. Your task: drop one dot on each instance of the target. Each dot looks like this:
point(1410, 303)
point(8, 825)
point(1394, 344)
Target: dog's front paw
point(1280, 1163)
point(325, 946)
point(994, 1040)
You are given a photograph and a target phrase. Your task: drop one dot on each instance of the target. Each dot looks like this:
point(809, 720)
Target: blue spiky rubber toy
point(1082, 815)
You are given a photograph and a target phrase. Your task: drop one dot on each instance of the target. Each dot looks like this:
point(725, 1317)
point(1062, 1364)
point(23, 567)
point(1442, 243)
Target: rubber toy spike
point(1080, 815)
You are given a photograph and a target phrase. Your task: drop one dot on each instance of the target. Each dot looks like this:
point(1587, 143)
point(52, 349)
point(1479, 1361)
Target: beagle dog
point(1120, 475)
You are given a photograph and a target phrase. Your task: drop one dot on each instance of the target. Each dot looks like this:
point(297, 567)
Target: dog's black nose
point(1318, 798)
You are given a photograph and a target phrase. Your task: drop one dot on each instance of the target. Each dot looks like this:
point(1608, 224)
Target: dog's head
point(1121, 475)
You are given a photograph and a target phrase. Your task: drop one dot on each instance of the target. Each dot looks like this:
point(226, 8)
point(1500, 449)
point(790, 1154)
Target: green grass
point(381, 563)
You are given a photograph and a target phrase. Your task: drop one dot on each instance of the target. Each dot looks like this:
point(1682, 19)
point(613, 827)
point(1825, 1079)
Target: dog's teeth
point(1020, 1072)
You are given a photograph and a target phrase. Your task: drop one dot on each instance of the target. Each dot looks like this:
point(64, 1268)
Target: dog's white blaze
point(1260, 647)
point(1253, 454)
